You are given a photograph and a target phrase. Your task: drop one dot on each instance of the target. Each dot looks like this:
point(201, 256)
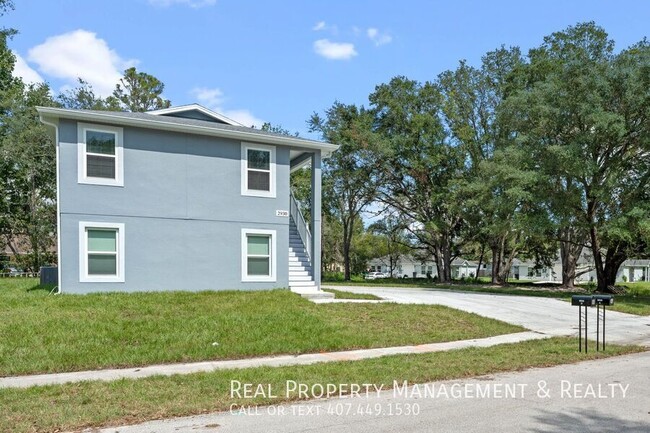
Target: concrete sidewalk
point(272, 361)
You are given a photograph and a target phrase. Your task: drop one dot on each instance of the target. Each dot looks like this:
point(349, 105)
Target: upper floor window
point(100, 155)
point(258, 170)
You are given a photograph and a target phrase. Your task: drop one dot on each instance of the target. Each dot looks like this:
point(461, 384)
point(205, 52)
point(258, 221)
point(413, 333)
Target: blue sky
point(279, 61)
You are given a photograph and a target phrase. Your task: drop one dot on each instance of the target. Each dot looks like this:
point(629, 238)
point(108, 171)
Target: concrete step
point(297, 266)
point(316, 294)
point(298, 284)
point(297, 273)
point(296, 278)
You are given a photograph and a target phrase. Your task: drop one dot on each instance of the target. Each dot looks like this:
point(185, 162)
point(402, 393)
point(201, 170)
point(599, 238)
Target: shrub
point(333, 276)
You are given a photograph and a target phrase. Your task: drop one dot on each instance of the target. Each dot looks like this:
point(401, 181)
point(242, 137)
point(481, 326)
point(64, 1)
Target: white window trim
point(244, 170)
point(244, 256)
point(81, 155)
point(83, 253)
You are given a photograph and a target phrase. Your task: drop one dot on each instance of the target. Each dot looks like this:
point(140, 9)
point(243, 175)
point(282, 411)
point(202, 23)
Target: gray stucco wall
point(183, 212)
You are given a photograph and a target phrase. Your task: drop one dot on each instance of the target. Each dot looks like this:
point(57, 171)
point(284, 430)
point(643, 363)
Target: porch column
point(316, 186)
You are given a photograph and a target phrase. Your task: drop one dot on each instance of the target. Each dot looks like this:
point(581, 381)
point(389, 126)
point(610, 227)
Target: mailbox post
point(580, 302)
point(601, 300)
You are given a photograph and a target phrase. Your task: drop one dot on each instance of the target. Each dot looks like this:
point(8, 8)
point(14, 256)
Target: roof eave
point(107, 117)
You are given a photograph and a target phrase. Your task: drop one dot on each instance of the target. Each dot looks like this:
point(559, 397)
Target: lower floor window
point(258, 255)
point(101, 257)
point(102, 251)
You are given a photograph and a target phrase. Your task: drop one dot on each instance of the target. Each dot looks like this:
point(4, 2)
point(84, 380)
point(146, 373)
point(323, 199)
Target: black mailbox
point(603, 299)
point(582, 301)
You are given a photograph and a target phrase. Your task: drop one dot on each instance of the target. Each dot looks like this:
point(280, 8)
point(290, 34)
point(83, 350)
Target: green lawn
point(96, 404)
point(55, 333)
point(636, 301)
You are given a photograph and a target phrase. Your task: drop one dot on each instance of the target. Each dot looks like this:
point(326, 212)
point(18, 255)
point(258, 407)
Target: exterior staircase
point(301, 276)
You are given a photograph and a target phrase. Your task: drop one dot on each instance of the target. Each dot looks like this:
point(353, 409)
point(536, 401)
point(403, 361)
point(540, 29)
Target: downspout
point(56, 290)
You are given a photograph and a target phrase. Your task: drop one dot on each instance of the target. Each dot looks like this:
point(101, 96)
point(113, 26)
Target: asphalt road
point(611, 395)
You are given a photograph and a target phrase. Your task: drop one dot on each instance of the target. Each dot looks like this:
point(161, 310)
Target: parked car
point(10, 272)
point(374, 275)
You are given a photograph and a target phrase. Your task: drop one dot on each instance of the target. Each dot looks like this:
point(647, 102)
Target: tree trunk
point(440, 265)
point(447, 256)
point(347, 240)
point(614, 258)
point(480, 262)
point(502, 276)
point(496, 264)
point(571, 245)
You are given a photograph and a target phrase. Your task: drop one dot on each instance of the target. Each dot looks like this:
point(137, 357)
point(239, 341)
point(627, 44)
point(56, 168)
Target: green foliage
point(83, 97)
point(138, 92)
point(348, 186)
point(582, 115)
point(27, 166)
point(278, 129)
point(419, 170)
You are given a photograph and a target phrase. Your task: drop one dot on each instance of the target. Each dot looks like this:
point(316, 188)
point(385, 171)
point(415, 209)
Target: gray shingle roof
point(185, 125)
point(191, 122)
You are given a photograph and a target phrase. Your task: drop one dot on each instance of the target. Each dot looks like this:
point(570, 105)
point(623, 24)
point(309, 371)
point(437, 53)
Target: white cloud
point(322, 26)
point(377, 37)
point(194, 4)
point(24, 71)
point(334, 50)
point(82, 54)
point(319, 26)
point(213, 98)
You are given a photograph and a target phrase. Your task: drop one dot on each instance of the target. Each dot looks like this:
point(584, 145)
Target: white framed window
point(100, 155)
point(101, 252)
point(257, 170)
point(258, 255)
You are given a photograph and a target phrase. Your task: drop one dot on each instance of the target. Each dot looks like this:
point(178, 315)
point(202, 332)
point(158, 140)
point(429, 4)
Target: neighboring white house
point(414, 268)
point(634, 270)
point(631, 270)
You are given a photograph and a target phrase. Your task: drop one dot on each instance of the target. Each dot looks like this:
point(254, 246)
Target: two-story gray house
point(181, 199)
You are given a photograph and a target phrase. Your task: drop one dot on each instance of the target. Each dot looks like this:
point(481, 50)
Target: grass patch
point(96, 404)
point(339, 294)
point(636, 301)
point(43, 333)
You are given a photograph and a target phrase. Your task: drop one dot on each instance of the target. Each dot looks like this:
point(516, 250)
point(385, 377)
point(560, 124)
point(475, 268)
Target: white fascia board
point(108, 117)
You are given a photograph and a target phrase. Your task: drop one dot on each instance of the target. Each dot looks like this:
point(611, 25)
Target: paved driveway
point(545, 315)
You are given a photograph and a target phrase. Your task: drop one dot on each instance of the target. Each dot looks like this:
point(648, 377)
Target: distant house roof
point(195, 111)
point(462, 262)
point(636, 262)
point(186, 125)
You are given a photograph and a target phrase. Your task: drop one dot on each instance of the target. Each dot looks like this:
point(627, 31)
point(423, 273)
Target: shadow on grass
point(47, 288)
point(576, 420)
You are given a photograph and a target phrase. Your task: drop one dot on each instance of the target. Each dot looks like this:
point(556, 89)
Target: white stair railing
point(301, 224)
